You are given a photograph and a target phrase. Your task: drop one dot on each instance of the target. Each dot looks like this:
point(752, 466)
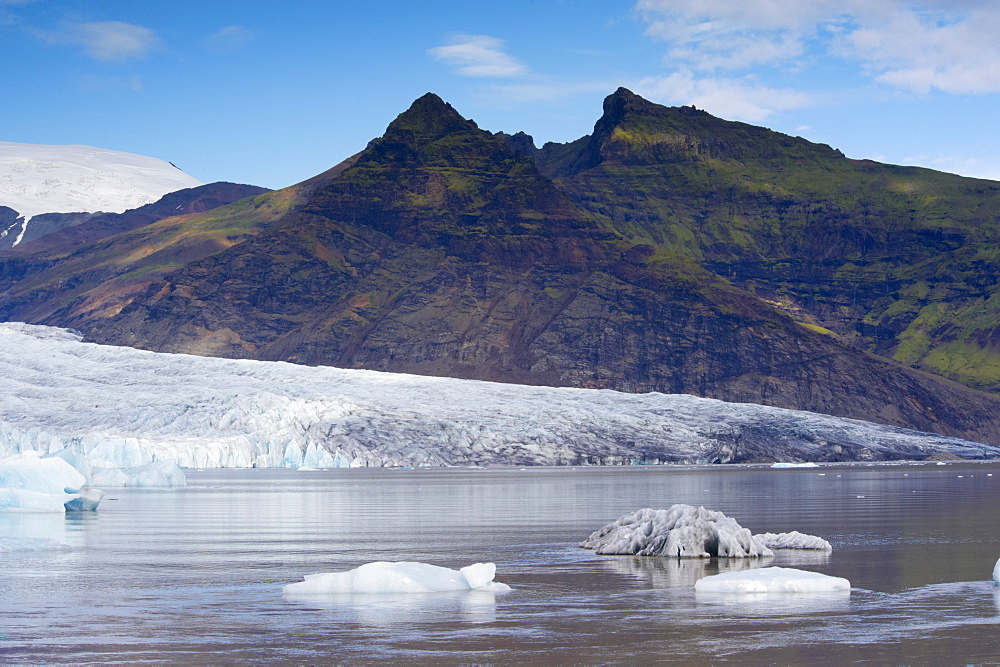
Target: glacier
point(399, 577)
point(770, 580)
point(118, 407)
point(685, 531)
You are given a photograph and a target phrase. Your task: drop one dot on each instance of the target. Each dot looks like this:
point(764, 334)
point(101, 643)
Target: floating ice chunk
point(399, 577)
point(792, 540)
point(87, 501)
point(772, 580)
point(31, 483)
point(152, 475)
point(996, 573)
point(808, 464)
point(685, 531)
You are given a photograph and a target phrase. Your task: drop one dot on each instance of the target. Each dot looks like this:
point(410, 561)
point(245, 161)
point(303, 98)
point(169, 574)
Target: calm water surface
point(195, 575)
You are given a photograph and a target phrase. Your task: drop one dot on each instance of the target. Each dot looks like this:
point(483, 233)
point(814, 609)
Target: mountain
point(443, 249)
point(237, 413)
point(50, 233)
point(901, 261)
point(54, 280)
point(37, 179)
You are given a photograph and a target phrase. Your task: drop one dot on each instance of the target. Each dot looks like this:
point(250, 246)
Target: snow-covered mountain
point(127, 407)
point(37, 179)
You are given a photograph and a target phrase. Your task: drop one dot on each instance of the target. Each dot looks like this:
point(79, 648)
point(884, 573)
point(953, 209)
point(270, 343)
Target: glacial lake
point(195, 574)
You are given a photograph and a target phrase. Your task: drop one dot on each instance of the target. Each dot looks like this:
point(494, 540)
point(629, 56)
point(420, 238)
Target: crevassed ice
point(399, 577)
point(124, 408)
point(772, 580)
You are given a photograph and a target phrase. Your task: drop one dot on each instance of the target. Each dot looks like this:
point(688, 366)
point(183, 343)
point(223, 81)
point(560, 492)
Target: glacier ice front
point(769, 580)
point(399, 577)
point(125, 408)
point(30, 483)
point(685, 531)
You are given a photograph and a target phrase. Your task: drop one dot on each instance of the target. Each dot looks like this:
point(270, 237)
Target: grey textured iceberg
point(118, 407)
point(685, 531)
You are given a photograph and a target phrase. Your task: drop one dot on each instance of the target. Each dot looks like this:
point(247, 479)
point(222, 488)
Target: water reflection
point(388, 610)
point(660, 572)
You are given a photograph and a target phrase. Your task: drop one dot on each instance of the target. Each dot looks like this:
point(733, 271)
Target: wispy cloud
point(107, 41)
point(948, 45)
point(736, 98)
point(479, 56)
point(229, 39)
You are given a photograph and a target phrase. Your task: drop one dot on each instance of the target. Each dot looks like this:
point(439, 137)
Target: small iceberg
point(996, 573)
point(400, 577)
point(30, 483)
point(808, 464)
point(769, 580)
point(684, 531)
point(158, 474)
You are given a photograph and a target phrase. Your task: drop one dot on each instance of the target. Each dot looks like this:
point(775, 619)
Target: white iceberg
point(158, 474)
point(30, 483)
point(772, 580)
point(399, 577)
point(808, 464)
point(996, 573)
point(685, 531)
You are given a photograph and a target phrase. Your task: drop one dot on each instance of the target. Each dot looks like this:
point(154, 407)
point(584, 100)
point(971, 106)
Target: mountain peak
point(623, 101)
point(429, 117)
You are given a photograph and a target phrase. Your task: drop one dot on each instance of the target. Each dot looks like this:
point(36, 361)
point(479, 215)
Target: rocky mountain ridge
point(443, 249)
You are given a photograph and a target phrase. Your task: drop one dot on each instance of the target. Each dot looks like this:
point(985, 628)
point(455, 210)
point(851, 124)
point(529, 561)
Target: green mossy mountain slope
point(901, 261)
point(443, 251)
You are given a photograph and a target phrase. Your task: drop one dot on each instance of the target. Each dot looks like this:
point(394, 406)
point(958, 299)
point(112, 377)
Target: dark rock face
point(899, 261)
point(442, 251)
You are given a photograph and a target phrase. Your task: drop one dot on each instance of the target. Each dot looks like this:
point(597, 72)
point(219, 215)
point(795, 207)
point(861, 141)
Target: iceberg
point(808, 464)
point(158, 474)
point(772, 580)
point(124, 408)
point(996, 573)
point(792, 540)
point(31, 483)
point(399, 577)
point(685, 531)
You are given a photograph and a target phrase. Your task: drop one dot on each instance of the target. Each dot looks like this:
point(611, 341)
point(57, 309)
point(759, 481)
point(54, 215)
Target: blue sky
point(271, 93)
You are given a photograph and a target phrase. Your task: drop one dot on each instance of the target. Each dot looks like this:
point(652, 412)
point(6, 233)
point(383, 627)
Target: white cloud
point(949, 52)
point(915, 45)
point(964, 166)
point(479, 56)
point(229, 39)
point(109, 41)
point(736, 99)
